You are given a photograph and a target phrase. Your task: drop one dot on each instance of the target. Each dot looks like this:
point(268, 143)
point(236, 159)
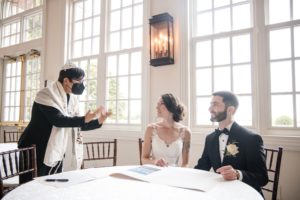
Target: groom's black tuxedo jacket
point(250, 159)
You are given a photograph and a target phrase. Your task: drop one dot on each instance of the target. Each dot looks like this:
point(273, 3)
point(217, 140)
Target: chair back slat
point(273, 157)
point(14, 163)
point(140, 141)
point(100, 151)
point(12, 136)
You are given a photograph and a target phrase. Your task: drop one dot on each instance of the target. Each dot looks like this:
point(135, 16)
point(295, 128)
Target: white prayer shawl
point(55, 96)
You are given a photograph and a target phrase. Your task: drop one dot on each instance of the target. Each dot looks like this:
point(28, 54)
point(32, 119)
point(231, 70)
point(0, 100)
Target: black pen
point(57, 179)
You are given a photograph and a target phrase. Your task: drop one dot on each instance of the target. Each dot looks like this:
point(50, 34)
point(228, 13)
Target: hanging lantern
point(161, 40)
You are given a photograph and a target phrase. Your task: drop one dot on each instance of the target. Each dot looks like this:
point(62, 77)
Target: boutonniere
point(232, 149)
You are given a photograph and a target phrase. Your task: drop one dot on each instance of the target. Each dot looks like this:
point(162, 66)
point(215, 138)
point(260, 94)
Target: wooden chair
point(140, 149)
point(14, 163)
point(100, 151)
point(273, 166)
point(12, 136)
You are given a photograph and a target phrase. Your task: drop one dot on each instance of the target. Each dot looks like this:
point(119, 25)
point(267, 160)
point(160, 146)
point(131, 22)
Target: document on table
point(66, 179)
point(173, 176)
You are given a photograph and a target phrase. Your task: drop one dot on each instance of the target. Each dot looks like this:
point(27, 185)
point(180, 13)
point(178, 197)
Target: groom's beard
point(220, 116)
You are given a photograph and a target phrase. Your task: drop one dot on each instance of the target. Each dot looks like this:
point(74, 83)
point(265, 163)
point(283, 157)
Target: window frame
point(102, 63)
point(261, 93)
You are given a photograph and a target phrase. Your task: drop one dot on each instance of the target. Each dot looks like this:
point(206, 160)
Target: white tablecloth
point(105, 187)
point(8, 147)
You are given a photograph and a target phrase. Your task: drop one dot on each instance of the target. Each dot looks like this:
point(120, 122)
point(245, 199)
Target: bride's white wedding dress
point(170, 152)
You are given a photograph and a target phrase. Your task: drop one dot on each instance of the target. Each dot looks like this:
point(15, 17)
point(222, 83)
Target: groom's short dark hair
point(229, 98)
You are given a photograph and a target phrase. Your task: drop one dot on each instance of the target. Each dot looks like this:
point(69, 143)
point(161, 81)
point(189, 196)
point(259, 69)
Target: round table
point(97, 183)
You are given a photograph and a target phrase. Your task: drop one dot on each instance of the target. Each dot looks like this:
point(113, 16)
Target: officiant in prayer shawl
point(55, 123)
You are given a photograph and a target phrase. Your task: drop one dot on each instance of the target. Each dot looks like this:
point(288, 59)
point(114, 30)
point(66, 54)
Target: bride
point(167, 140)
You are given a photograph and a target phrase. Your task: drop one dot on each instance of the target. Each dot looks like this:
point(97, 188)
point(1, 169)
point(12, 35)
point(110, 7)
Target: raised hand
point(103, 114)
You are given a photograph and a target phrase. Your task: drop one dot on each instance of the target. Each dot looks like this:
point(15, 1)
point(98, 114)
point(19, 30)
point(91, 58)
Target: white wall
point(163, 79)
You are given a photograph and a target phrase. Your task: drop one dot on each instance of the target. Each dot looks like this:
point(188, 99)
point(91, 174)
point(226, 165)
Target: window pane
point(88, 8)
point(297, 40)
point(111, 66)
point(135, 112)
point(126, 39)
point(280, 44)
point(96, 26)
point(97, 7)
point(115, 21)
point(7, 84)
point(126, 3)
point(297, 76)
point(78, 30)
point(237, 1)
point(122, 111)
point(126, 18)
point(96, 45)
point(78, 10)
point(281, 76)
point(222, 78)
point(138, 15)
point(92, 89)
point(296, 6)
point(203, 82)
point(218, 3)
point(136, 63)
point(111, 89)
point(123, 88)
point(241, 48)
point(282, 115)
point(33, 27)
point(114, 4)
point(241, 17)
point(244, 112)
point(204, 24)
point(204, 5)
point(114, 41)
point(92, 72)
point(221, 51)
point(87, 47)
point(123, 64)
point(138, 37)
point(135, 87)
point(77, 49)
point(87, 28)
point(222, 20)
point(203, 53)
point(282, 7)
point(203, 115)
point(242, 79)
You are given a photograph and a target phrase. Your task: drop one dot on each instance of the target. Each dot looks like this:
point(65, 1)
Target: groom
point(231, 150)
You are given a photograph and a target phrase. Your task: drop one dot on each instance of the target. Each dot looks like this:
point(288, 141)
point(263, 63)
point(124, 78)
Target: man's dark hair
point(229, 98)
point(75, 73)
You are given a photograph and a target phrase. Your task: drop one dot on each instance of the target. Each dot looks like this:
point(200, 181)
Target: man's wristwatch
point(237, 175)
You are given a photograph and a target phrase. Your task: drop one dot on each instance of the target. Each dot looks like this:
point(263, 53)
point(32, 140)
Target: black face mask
point(77, 88)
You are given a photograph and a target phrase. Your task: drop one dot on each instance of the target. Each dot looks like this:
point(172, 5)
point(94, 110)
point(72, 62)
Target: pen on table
point(57, 179)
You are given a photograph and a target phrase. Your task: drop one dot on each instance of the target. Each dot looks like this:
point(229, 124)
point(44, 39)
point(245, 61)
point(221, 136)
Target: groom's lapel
point(216, 153)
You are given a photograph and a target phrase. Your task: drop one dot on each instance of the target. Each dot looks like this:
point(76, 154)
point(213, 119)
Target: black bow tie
point(224, 131)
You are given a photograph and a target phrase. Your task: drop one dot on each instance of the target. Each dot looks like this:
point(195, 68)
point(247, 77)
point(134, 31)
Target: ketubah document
point(173, 176)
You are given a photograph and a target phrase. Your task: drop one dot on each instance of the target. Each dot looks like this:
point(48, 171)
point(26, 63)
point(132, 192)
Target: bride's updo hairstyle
point(174, 106)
